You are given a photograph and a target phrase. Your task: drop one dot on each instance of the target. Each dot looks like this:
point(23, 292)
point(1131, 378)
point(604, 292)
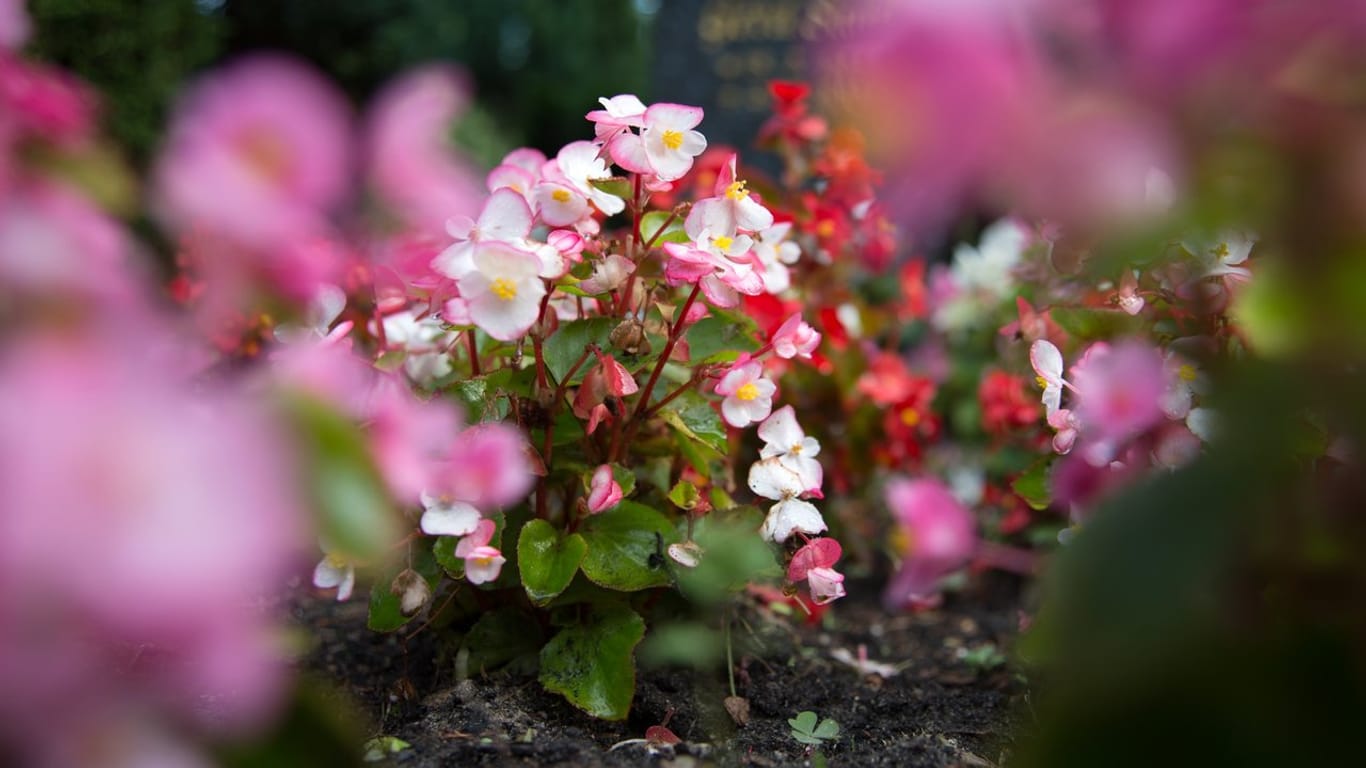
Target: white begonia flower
point(987, 267)
point(1224, 255)
point(581, 164)
point(335, 570)
point(506, 217)
point(772, 480)
point(503, 292)
point(1203, 423)
point(445, 517)
point(426, 341)
point(784, 440)
point(1048, 364)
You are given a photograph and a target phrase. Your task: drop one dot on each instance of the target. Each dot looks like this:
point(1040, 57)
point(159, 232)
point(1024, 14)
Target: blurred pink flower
point(1121, 390)
point(139, 523)
point(14, 24)
point(411, 160)
point(487, 466)
point(940, 536)
point(258, 153)
point(53, 241)
point(43, 103)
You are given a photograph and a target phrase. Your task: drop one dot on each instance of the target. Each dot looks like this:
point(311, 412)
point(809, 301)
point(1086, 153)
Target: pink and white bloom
point(559, 205)
point(775, 254)
point(487, 467)
point(731, 210)
point(1224, 256)
point(505, 218)
point(425, 340)
point(502, 294)
point(618, 115)
point(1128, 297)
point(749, 396)
point(483, 563)
point(770, 479)
point(939, 533)
point(721, 279)
point(666, 144)
point(1048, 364)
point(443, 516)
point(580, 163)
point(795, 338)
point(827, 585)
point(609, 274)
point(1121, 390)
point(604, 491)
point(784, 440)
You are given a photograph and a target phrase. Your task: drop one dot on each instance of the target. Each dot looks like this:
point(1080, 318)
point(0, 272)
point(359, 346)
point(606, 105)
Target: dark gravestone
point(721, 54)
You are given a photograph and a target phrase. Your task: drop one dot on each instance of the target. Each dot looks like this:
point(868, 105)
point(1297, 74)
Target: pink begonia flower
point(816, 553)
point(827, 585)
point(443, 516)
point(617, 381)
point(486, 467)
point(666, 144)
point(410, 159)
point(618, 115)
point(53, 241)
point(505, 218)
point(784, 440)
point(604, 492)
point(568, 243)
point(1121, 390)
point(323, 309)
point(722, 279)
point(1048, 364)
point(559, 205)
point(749, 396)
point(424, 339)
point(795, 338)
point(770, 479)
point(258, 151)
point(44, 103)
point(1066, 428)
point(940, 538)
point(115, 482)
point(733, 209)
point(580, 163)
point(609, 274)
point(482, 562)
point(337, 571)
point(1176, 447)
point(410, 439)
point(1184, 380)
point(14, 25)
point(502, 294)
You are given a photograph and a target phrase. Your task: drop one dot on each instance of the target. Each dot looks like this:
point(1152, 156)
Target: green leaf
point(385, 613)
point(356, 515)
point(381, 747)
point(804, 722)
point(828, 729)
point(391, 360)
point(483, 397)
point(564, 347)
point(693, 416)
point(546, 561)
point(721, 338)
point(614, 186)
point(684, 495)
point(1032, 486)
point(592, 664)
point(1088, 324)
point(652, 222)
point(625, 548)
point(500, 636)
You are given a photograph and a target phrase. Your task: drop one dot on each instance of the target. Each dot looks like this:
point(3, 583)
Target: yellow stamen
point(825, 228)
point(483, 562)
point(1220, 250)
point(560, 195)
point(672, 139)
point(504, 289)
point(737, 191)
point(336, 561)
point(1043, 383)
point(1186, 372)
point(796, 449)
point(910, 417)
point(747, 392)
point(722, 243)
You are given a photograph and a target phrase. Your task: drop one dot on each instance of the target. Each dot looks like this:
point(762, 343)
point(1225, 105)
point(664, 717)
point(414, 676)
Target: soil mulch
point(952, 702)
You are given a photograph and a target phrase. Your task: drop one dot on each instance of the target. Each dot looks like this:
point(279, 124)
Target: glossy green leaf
point(695, 418)
point(547, 562)
point(500, 636)
point(564, 347)
point(592, 664)
point(652, 227)
point(721, 338)
point(614, 186)
point(626, 547)
point(684, 495)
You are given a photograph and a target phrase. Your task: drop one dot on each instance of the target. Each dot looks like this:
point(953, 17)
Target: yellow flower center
point(336, 561)
point(1220, 250)
point(722, 243)
point(910, 417)
point(1043, 383)
point(747, 392)
point(1186, 372)
point(672, 139)
point(825, 228)
point(560, 195)
point(796, 449)
point(504, 289)
point(483, 562)
point(737, 191)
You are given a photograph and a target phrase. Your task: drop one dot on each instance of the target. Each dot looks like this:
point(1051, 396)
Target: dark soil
point(946, 706)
